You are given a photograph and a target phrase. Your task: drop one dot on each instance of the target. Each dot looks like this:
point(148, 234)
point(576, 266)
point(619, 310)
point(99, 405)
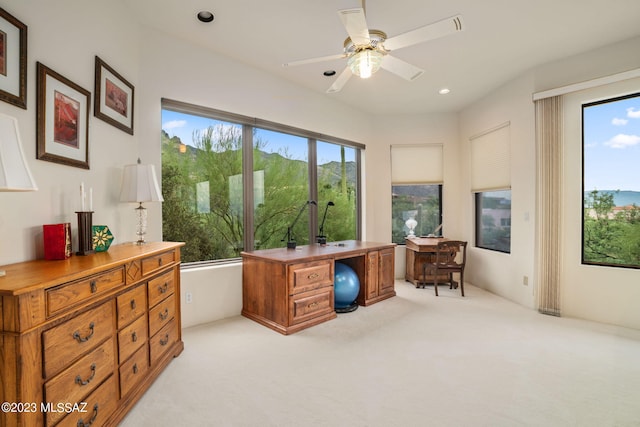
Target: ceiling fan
point(368, 50)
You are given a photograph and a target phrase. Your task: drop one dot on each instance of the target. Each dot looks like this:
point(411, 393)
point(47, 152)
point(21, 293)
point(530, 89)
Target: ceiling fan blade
point(342, 79)
point(401, 68)
point(356, 25)
point(426, 33)
point(312, 60)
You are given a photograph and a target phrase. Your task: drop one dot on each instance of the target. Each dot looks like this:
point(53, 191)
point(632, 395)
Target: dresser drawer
point(162, 341)
point(75, 337)
point(131, 305)
point(161, 314)
point(156, 262)
point(311, 275)
point(80, 379)
point(161, 287)
point(99, 406)
point(131, 338)
point(310, 304)
point(134, 370)
point(70, 294)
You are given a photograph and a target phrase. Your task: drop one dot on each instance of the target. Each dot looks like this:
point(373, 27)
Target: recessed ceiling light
point(330, 73)
point(205, 16)
point(444, 91)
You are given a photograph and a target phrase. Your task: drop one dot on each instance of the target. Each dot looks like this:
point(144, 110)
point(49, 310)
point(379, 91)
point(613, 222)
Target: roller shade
point(491, 159)
point(416, 164)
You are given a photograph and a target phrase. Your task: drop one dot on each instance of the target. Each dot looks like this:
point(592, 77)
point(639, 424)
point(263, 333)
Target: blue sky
point(612, 145)
point(183, 125)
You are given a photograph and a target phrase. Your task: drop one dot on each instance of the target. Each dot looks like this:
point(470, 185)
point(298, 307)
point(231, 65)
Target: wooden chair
point(450, 257)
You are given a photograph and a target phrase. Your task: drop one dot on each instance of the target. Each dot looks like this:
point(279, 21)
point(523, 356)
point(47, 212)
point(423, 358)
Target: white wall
point(601, 294)
point(498, 272)
point(65, 37)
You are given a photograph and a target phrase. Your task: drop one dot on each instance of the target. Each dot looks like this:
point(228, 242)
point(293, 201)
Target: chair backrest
point(447, 251)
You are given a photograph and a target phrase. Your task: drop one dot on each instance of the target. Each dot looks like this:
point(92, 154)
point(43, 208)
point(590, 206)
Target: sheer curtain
point(549, 151)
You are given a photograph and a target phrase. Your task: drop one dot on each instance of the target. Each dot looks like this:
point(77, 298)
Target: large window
point(611, 182)
point(223, 174)
point(493, 220)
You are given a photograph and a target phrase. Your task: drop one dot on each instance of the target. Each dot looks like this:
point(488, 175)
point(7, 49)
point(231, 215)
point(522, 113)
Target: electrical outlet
point(188, 297)
point(525, 280)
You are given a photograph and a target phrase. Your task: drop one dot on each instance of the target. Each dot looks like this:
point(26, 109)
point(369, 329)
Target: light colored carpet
point(412, 360)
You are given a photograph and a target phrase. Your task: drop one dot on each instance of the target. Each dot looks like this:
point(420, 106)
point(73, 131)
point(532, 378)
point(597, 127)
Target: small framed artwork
point(62, 120)
point(113, 101)
point(13, 60)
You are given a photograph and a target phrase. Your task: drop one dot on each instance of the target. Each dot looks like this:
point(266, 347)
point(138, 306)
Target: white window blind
point(491, 159)
point(416, 164)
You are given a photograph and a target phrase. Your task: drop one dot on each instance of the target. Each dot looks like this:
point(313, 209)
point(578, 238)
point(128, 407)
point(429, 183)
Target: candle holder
point(85, 231)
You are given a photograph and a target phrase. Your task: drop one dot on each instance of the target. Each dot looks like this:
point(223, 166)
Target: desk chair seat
point(450, 258)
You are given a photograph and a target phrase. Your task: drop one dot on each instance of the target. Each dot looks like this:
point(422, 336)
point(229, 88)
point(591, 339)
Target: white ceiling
point(502, 39)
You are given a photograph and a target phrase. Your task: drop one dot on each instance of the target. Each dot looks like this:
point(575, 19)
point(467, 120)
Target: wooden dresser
point(288, 290)
point(83, 338)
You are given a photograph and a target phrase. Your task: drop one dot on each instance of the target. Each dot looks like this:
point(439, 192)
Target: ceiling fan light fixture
point(365, 62)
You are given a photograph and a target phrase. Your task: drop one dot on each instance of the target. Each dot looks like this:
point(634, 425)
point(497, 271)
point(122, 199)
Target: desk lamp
point(14, 170)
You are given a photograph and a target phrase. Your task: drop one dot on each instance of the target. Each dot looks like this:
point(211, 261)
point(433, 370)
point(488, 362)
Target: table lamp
point(139, 185)
point(14, 170)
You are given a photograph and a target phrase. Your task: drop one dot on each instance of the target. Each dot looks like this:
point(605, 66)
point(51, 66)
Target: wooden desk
point(288, 290)
point(420, 250)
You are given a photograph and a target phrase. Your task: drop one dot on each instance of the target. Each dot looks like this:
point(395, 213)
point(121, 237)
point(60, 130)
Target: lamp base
point(291, 244)
point(321, 240)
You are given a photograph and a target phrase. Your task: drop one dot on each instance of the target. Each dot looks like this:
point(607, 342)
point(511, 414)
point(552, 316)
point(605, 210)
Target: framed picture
point(113, 101)
point(13, 60)
point(62, 120)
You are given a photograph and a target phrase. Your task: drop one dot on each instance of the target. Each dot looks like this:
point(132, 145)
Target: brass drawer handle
point(313, 276)
point(78, 338)
point(94, 286)
point(164, 315)
point(313, 304)
point(135, 368)
point(81, 423)
point(159, 262)
point(133, 304)
point(79, 379)
point(134, 337)
point(164, 288)
point(164, 341)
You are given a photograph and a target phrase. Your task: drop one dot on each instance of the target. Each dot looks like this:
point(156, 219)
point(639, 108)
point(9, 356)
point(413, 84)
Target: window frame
point(250, 123)
point(478, 221)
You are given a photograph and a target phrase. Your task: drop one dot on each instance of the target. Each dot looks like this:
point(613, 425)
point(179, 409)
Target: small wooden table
point(419, 251)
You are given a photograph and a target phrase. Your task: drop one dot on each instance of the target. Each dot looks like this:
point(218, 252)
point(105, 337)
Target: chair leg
point(462, 282)
point(435, 281)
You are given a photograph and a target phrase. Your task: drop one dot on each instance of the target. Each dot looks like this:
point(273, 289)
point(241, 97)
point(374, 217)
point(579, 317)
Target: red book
point(57, 240)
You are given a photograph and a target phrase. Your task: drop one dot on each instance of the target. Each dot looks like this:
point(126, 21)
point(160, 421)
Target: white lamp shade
point(139, 184)
point(14, 171)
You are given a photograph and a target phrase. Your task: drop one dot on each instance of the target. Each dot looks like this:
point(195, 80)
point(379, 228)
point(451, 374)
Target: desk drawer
point(131, 305)
point(70, 294)
point(80, 379)
point(75, 337)
point(161, 287)
point(131, 338)
point(133, 370)
point(311, 275)
point(156, 262)
point(99, 406)
point(161, 314)
point(163, 340)
point(310, 304)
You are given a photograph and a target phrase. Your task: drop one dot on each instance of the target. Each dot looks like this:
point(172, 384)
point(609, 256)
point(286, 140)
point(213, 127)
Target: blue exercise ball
point(346, 285)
